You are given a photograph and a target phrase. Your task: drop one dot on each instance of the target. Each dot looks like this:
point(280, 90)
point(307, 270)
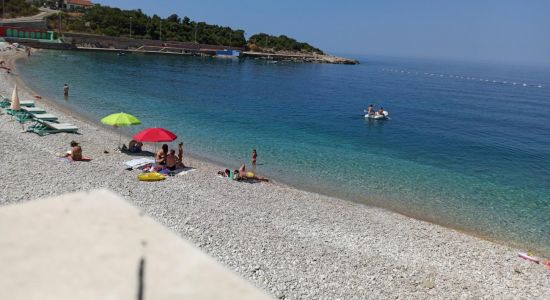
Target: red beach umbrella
point(155, 135)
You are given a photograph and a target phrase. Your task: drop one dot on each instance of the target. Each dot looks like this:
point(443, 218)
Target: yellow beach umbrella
point(120, 119)
point(15, 104)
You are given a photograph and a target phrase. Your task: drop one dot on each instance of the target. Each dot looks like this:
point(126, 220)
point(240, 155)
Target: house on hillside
point(76, 4)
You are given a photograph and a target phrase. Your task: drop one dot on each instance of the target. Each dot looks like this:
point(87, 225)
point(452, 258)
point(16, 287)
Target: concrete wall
point(97, 246)
point(100, 41)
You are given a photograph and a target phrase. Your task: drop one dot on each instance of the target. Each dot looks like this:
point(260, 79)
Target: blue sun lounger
point(45, 127)
point(23, 117)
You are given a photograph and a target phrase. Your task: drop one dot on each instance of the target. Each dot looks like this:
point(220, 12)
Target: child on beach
point(66, 89)
point(254, 157)
point(171, 160)
point(180, 156)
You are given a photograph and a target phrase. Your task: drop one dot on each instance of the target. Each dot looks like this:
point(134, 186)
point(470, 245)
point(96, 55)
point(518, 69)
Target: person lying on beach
point(160, 157)
point(75, 153)
point(171, 160)
point(135, 146)
point(242, 175)
point(224, 173)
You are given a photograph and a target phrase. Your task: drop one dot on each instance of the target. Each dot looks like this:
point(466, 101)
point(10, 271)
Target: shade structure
point(15, 104)
point(154, 135)
point(120, 119)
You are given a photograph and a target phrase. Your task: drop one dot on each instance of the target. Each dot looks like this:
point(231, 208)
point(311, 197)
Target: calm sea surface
point(467, 146)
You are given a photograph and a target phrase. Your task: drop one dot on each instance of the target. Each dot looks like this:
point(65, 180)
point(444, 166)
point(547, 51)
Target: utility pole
point(59, 37)
point(130, 27)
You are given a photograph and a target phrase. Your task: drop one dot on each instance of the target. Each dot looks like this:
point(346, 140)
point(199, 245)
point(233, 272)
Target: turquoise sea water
point(467, 146)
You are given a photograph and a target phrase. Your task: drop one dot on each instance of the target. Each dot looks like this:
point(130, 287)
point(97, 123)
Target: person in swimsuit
point(180, 156)
point(370, 110)
point(171, 160)
point(254, 157)
point(160, 157)
point(135, 146)
point(381, 111)
point(75, 153)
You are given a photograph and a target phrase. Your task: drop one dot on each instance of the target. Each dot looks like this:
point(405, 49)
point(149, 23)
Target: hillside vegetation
point(104, 20)
point(270, 43)
point(17, 8)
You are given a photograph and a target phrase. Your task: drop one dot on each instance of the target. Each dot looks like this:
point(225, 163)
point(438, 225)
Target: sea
point(467, 144)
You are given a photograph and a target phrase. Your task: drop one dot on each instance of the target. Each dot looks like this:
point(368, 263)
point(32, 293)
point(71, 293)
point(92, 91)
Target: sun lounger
point(6, 103)
point(23, 117)
point(34, 110)
point(44, 127)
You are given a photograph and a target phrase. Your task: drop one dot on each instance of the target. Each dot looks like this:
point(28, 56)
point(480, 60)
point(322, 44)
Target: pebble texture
point(291, 243)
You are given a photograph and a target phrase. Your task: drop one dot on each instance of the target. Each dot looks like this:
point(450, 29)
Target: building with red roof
point(72, 4)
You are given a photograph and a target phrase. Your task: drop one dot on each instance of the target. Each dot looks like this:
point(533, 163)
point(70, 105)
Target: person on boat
point(171, 160)
point(381, 111)
point(135, 146)
point(160, 157)
point(370, 110)
point(75, 153)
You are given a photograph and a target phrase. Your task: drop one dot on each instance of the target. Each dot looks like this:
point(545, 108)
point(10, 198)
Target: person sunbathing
point(135, 146)
point(242, 175)
point(75, 153)
point(160, 157)
point(171, 160)
point(224, 173)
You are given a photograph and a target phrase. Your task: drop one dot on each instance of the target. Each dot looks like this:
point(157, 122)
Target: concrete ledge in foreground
point(90, 246)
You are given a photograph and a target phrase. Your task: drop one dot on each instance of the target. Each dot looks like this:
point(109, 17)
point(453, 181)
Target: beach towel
point(139, 162)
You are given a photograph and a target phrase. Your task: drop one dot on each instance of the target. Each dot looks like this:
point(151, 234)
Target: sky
point(482, 30)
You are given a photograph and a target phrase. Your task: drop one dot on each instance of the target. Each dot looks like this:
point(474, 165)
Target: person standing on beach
point(180, 155)
point(66, 89)
point(254, 157)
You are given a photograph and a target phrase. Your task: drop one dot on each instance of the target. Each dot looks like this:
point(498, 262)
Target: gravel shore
point(291, 243)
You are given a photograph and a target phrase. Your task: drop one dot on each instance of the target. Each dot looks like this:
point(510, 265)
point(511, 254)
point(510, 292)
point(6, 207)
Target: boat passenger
point(381, 111)
point(370, 110)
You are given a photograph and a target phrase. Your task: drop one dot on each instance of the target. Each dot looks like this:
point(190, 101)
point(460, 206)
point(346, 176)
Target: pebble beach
point(291, 243)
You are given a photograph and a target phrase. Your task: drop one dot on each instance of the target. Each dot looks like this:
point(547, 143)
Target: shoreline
point(90, 121)
point(355, 239)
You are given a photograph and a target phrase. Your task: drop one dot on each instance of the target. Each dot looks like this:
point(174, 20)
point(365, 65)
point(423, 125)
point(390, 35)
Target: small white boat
point(378, 116)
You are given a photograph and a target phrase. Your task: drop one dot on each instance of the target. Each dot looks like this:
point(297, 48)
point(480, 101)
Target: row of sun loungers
point(44, 123)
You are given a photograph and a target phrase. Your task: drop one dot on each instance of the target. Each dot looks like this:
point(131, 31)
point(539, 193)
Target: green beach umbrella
point(120, 119)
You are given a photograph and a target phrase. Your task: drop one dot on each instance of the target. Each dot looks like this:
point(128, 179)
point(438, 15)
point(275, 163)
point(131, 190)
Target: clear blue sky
point(496, 30)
